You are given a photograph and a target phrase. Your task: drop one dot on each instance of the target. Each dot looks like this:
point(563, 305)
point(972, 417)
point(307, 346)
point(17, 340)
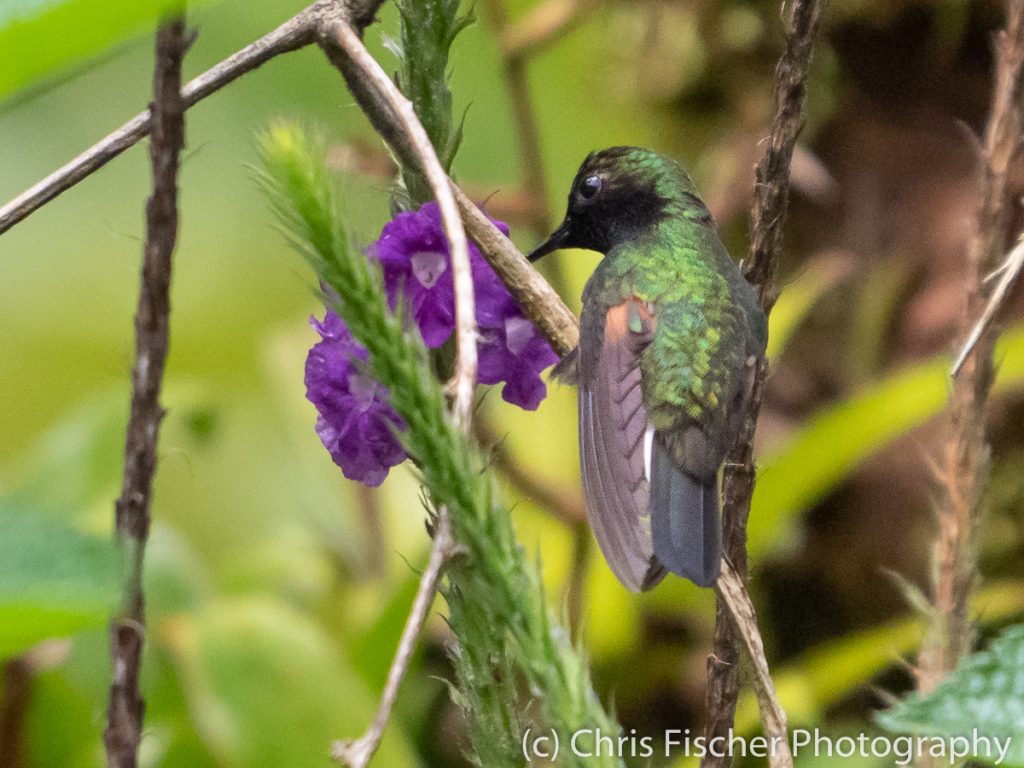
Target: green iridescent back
point(709, 322)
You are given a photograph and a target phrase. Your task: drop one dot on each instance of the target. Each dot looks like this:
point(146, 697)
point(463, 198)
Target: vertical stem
point(576, 583)
point(514, 59)
point(532, 186)
point(126, 707)
point(965, 460)
point(768, 216)
point(368, 501)
point(14, 703)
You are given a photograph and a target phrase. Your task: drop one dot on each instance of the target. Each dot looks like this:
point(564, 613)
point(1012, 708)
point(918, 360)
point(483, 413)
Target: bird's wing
point(615, 443)
point(566, 370)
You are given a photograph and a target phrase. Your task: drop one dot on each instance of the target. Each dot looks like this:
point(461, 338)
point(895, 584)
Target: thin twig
point(965, 460)
point(527, 132)
point(152, 320)
point(768, 215)
point(514, 60)
point(357, 753)
point(538, 300)
point(1007, 273)
point(772, 176)
point(733, 594)
point(371, 85)
point(293, 34)
point(543, 24)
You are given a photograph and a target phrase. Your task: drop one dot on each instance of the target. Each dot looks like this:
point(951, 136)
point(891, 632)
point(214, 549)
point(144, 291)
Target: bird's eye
point(589, 187)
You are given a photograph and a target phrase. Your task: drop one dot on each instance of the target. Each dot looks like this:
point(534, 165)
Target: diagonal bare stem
point(533, 184)
point(538, 300)
point(369, 83)
point(357, 753)
point(293, 34)
point(1007, 272)
point(733, 593)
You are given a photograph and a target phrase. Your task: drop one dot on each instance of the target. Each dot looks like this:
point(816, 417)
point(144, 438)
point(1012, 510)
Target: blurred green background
point(276, 589)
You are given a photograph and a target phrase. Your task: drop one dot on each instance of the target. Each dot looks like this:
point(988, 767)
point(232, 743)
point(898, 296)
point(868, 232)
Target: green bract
point(429, 27)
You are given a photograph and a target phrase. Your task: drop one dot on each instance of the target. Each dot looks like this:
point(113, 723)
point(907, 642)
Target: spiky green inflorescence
point(496, 603)
point(428, 29)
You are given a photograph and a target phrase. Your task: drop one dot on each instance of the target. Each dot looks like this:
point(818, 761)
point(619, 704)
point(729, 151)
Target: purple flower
point(355, 422)
point(413, 253)
point(511, 350)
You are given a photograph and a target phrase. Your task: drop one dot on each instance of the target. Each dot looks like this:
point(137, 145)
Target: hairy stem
point(768, 216)
point(964, 463)
point(345, 48)
point(497, 609)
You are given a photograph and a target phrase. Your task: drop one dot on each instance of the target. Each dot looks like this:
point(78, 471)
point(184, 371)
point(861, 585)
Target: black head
point(618, 194)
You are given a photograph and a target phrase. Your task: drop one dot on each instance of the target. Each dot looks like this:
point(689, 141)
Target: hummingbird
point(670, 338)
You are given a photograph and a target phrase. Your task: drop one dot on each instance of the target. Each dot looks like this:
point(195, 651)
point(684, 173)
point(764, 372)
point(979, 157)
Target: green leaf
point(984, 695)
point(267, 687)
point(799, 298)
point(373, 650)
point(41, 39)
point(54, 580)
point(840, 437)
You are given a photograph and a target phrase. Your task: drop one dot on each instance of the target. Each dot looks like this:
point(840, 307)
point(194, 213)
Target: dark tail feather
point(684, 521)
